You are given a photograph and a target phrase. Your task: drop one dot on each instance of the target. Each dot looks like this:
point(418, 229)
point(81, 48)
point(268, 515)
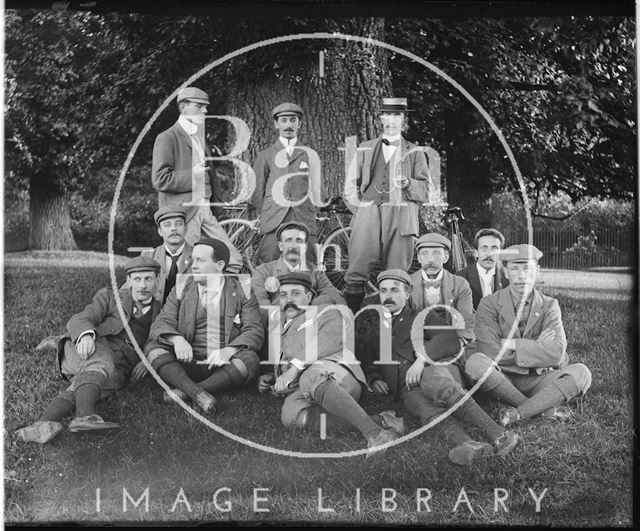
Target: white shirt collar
point(288, 143)
point(177, 253)
point(392, 138)
point(291, 266)
point(484, 273)
point(438, 276)
point(215, 284)
point(189, 127)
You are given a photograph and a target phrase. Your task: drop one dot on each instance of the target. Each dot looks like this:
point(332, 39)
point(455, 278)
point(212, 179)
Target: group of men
point(204, 332)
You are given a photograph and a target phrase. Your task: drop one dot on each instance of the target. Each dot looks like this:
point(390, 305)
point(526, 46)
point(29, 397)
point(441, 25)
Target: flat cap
point(193, 94)
point(287, 109)
point(142, 263)
point(292, 225)
point(394, 105)
point(220, 249)
point(520, 253)
point(301, 278)
point(433, 239)
point(169, 211)
point(395, 274)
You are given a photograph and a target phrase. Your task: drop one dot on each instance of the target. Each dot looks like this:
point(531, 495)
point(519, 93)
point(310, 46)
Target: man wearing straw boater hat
point(391, 182)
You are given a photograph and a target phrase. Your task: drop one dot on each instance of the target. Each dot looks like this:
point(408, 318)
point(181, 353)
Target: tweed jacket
point(439, 345)
point(241, 325)
point(102, 317)
point(470, 273)
point(172, 174)
point(160, 254)
point(495, 318)
point(412, 165)
point(455, 293)
point(296, 187)
point(326, 331)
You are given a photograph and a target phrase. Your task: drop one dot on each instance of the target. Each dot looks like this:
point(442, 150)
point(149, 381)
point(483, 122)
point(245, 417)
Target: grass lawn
point(585, 465)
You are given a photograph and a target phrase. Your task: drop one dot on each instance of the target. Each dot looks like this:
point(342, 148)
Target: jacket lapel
point(374, 155)
point(447, 288)
point(182, 135)
point(505, 309)
point(474, 280)
point(230, 301)
point(127, 301)
point(417, 292)
point(535, 312)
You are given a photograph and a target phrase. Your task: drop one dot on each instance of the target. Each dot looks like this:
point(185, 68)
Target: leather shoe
point(390, 421)
point(506, 442)
point(559, 413)
point(90, 423)
point(467, 452)
point(41, 431)
point(509, 416)
point(383, 437)
point(171, 396)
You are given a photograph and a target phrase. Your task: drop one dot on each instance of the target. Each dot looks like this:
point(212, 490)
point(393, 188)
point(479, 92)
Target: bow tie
point(140, 305)
point(390, 142)
point(432, 283)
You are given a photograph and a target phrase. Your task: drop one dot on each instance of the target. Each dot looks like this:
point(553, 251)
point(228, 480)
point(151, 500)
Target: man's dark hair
point(488, 232)
point(220, 249)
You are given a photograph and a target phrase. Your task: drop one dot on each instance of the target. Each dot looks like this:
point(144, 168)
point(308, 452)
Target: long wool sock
point(553, 394)
point(88, 387)
point(226, 377)
point(58, 409)
point(471, 413)
point(337, 401)
point(173, 373)
point(452, 432)
point(499, 386)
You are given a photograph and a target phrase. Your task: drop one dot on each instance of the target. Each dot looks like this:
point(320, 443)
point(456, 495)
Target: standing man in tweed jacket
point(179, 163)
point(301, 165)
point(391, 183)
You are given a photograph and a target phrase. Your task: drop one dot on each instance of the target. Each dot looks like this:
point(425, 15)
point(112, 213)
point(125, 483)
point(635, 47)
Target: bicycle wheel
point(244, 237)
point(336, 260)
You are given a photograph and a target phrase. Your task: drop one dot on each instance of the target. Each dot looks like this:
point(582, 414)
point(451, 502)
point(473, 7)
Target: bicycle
point(461, 250)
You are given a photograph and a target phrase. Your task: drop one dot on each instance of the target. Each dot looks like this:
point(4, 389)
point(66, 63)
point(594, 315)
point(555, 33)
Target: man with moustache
point(433, 285)
point(301, 166)
point(527, 369)
point(174, 254)
point(328, 381)
point(97, 355)
point(207, 336)
point(486, 275)
point(292, 241)
point(178, 160)
point(426, 390)
point(391, 183)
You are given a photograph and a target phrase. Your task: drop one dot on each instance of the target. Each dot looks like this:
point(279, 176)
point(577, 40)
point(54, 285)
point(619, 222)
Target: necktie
point(140, 306)
point(390, 142)
point(171, 277)
point(525, 317)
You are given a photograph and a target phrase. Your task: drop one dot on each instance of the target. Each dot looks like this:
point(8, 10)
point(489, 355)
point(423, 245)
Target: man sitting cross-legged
point(97, 355)
point(533, 375)
point(427, 390)
point(329, 383)
point(206, 337)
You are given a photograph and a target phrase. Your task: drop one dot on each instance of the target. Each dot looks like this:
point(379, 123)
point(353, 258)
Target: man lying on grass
point(320, 382)
point(532, 375)
point(207, 336)
point(427, 390)
point(98, 356)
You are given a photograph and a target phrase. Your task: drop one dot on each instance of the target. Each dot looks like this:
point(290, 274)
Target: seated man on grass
point(97, 355)
point(331, 382)
point(207, 336)
point(427, 390)
point(533, 375)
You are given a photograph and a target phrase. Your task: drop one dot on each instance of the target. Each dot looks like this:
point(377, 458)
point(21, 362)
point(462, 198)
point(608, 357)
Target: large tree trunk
point(343, 101)
point(50, 219)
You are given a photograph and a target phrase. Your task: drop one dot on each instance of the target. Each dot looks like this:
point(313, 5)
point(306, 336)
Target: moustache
point(388, 301)
point(290, 305)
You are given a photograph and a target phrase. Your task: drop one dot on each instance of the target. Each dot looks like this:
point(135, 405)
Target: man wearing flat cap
point(97, 355)
point(286, 172)
point(521, 330)
point(391, 183)
point(292, 241)
point(433, 284)
point(174, 255)
point(326, 381)
point(205, 340)
point(410, 372)
point(179, 158)
point(486, 276)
